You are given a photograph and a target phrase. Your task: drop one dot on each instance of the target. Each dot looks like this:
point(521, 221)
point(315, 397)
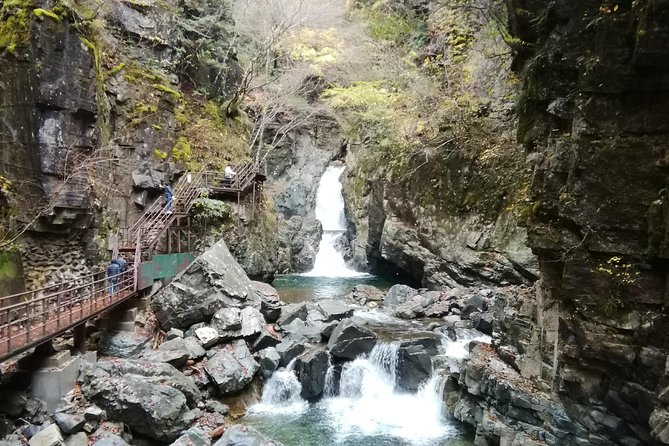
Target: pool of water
point(375, 413)
point(298, 288)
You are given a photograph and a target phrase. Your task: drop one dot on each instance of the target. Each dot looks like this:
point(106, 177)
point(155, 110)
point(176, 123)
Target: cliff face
point(444, 202)
point(591, 118)
point(100, 103)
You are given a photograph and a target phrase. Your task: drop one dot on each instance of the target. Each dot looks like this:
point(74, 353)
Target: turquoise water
point(296, 288)
point(377, 416)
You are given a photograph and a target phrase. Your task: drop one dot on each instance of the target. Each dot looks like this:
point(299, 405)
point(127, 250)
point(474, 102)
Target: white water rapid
point(367, 409)
point(330, 212)
point(281, 393)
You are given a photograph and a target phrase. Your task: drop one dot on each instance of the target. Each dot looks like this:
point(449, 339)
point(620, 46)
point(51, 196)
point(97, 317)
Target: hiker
point(113, 271)
point(228, 173)
point(168, 197)
point(122, 263)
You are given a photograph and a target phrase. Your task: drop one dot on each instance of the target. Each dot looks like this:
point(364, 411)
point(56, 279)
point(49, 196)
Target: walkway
point(31, 318)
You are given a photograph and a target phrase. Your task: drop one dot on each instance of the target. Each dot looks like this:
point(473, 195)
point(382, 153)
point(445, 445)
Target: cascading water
point(281, 393)
point(330, 212)
point(369, 409)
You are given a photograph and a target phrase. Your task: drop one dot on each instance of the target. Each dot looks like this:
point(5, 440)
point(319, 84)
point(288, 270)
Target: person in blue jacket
point(113, 271)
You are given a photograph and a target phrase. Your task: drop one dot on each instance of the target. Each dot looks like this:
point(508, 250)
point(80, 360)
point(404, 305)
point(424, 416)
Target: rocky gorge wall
point(593, 338)
point(448, 208)
point(98, 108)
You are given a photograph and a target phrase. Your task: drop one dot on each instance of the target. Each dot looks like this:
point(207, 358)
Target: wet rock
point(311, 368)
point(30, 430)
point(228, 323)
point(151, 398)
point(174, 333)
point(93, 413)
point(266, 338)
point(217, 407)
point(49, 436)
point(363, 294)
point(188, 346)
point(270, 310)
point(193, 437)
point(475, 304)
point(176, 358)
point(238, 435)
point(269, 360)
point(111, 440)
point(484, 322)
point(414, 363)
point(232, 367)
point(252, 322)
point(288, 350)
point(292, 312)
point(207, 336)
point(213, 281)
point(349, 340)
point(13, 402)
point(122, 344)
point(78, 439)
point(334, 310)
point(69, 424)
point(399, 294)
point(266, 291)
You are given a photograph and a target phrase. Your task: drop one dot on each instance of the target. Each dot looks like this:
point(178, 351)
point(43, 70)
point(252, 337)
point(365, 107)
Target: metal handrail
point(28, 323)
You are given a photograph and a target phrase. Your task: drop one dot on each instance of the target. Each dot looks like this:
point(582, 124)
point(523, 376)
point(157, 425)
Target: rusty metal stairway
point(156, 219)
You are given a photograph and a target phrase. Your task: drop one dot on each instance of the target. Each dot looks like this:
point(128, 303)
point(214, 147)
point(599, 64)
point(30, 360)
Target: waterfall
point(370, 404)
point(457, 349)
point(281, 393)
point(330, 212)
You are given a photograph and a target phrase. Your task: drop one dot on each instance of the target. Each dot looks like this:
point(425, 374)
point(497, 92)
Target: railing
point(156, 218)
point(244, 176)
point(30, 318)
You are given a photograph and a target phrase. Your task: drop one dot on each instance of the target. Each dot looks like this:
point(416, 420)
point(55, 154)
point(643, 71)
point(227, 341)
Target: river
point(364, 406)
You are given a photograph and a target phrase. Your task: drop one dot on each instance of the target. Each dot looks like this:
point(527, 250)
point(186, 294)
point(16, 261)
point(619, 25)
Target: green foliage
point(211, 211)
point(372, 101)
point(619, 272)
point(388, 27)
point(159, 154)
point(181, 150)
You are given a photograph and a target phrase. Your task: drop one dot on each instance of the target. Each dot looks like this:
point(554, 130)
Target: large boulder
point(311, 368)
point(399, 294)
point(228, 323)
point(364, 294)
point(121, 344)
point(193, 437)
point(213, 281)
point(334, 310)
point(349, 340)
point(154, 399)
point(288, 350)
point(414, 362)
point(269, 361)
point(232, 367)
point(292, 312)
point(238, 435)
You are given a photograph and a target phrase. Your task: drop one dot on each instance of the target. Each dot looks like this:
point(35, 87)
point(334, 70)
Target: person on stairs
point(168, 197)
point(113, 271)
point(228, 173)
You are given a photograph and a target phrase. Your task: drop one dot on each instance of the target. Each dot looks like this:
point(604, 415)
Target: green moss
point(159, 154)
point(15, 19)
point(182, 150)
point(177, 95)
point(116, 69)
point(40, 13)
point(8, 267)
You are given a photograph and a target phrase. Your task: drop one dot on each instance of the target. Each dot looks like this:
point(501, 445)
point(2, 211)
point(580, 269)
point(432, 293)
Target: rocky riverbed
point(221, 335)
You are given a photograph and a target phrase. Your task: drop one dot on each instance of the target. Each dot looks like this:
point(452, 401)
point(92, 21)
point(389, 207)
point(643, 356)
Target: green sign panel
point(162, 266)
